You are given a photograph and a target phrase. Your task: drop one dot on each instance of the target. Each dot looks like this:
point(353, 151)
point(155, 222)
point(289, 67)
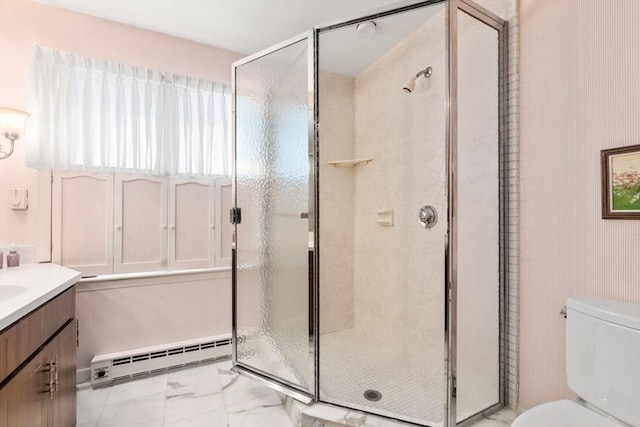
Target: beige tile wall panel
point(399, 270)
point(336, 202)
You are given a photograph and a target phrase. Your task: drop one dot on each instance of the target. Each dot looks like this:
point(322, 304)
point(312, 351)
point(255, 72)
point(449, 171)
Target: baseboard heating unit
point(107, 368)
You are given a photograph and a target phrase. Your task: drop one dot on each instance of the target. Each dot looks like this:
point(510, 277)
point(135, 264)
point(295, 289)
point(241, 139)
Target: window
point(140, 162)
point(93, 115)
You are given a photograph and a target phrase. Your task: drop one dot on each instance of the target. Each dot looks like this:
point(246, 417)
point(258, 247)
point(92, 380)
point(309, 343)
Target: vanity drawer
point(58, 311)
point(23, 338)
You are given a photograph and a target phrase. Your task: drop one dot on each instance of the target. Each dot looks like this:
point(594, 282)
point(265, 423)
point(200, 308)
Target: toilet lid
point(562, 413)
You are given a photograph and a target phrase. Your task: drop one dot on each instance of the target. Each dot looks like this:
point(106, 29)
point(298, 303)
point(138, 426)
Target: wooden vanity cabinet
point(62, 408)
point(22, 401)
point(41, 390)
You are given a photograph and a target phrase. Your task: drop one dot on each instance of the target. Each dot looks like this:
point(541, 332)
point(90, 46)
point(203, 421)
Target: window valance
point(95, 115)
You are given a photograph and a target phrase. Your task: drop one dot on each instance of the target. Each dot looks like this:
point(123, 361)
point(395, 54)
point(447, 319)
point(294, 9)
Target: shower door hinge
point(454, 386)
point(235, 215)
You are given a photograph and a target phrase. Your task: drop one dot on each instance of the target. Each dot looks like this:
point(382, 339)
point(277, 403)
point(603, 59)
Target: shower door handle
point(428, 216)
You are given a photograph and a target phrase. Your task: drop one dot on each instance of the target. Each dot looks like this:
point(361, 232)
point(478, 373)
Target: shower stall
point(369, 209)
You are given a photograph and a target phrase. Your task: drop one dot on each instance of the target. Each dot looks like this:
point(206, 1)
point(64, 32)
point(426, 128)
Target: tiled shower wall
point(509, 10)
point(343, 301)
point(513, 200)
point(336, 208)
point(399, 293)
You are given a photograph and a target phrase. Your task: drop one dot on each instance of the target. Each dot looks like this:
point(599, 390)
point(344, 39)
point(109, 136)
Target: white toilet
point(603, 368)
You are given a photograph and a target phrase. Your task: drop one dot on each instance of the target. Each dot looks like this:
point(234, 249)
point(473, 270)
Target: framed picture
point(621, 182)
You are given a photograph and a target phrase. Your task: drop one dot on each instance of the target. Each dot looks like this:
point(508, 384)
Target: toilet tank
point(603, 355)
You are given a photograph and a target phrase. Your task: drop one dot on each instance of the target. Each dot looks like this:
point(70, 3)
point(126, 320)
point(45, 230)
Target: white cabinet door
point(82, 222)
point(224, 229)
point(191, 224)
point(140, 224)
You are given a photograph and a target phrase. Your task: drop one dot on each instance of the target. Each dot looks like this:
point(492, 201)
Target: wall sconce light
point(12, 123)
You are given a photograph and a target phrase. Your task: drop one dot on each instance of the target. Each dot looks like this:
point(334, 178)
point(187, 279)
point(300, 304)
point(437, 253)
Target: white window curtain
point(100, 116)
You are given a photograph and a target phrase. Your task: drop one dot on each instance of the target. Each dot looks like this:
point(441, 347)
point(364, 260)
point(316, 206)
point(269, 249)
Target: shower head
point(410, 85)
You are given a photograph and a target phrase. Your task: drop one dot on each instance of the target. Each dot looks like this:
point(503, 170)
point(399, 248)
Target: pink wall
point(23, 23)
point(580, 93)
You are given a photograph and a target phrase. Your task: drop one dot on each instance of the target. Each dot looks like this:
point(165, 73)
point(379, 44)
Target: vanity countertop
point(25, 288)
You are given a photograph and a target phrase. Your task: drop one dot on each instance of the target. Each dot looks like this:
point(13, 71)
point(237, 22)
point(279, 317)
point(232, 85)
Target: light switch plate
point(18, 199)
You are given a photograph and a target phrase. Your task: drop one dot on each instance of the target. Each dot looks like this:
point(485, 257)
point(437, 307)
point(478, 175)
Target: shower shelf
point(349, 163)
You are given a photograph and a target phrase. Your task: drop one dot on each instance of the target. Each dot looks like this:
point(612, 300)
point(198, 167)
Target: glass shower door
point(273, 212)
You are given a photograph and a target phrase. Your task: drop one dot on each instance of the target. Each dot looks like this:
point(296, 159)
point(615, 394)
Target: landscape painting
point(621, 182)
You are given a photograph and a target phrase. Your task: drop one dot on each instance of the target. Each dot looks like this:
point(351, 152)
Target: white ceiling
point(343, 51)
point(244, 26)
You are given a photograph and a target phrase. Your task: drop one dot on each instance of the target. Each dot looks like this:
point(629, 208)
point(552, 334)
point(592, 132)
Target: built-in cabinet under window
point(106, 223)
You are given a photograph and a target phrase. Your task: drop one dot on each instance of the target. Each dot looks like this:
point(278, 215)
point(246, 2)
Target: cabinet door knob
point(172, 227)
point(118, 227)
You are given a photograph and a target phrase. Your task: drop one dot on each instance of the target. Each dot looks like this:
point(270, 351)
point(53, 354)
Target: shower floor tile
point(207, 395)
point(352, 362)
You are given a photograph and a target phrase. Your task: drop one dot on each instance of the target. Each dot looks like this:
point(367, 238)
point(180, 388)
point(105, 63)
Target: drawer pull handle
point(52, 387)
point(55, 376)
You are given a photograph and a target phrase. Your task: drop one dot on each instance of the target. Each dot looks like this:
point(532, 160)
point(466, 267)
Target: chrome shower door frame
point(276, 383)
point(451, 286)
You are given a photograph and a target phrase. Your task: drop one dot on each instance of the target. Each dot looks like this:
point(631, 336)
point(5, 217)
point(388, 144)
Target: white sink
point(11, 290)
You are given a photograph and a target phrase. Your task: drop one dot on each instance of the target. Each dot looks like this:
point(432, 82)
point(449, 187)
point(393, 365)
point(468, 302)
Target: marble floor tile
point(206, 395)
point(265, 401)
point(235, 381)
point(502, 418)
point(208, 419)
point(192, 400)
point(193, 375)
point(89, 417)
point(261, 417)
point(147, 411)
point(92, 398)
point(226, 377)
point(243, 389)
point(188, 388)
point(211, 395)
point(224, 365)
point(137, 388)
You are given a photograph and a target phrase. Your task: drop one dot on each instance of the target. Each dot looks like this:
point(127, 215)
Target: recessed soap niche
point(384, 217)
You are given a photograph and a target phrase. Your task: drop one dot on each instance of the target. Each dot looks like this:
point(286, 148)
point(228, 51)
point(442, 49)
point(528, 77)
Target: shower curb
point(323, 415)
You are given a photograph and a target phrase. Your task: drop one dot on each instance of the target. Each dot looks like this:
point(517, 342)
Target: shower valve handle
point(428, 216)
